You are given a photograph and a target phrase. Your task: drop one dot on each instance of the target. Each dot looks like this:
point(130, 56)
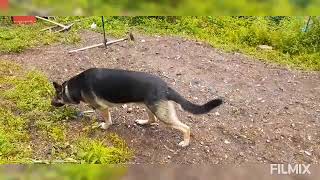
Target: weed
point(96, 152)
point(58, 134)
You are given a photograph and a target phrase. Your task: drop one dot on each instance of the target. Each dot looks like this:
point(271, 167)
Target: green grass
point(29, 122)
point(65, 172)
point(16, 38)
point(95, 152)
point(14, 138)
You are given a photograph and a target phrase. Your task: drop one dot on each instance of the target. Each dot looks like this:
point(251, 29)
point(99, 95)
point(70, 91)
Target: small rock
point(201, 143)
point(143, 40)
point(169, 157)
point(268, 141)
point(129, 110)
point(124, 106)
point(241, 154)
point(217, 113)
point(93, 26)
point(227, 142)
point(264, 47)
point(309, 137)
point(307, 153)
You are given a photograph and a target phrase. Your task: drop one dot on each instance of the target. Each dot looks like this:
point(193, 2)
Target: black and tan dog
point(104, 88)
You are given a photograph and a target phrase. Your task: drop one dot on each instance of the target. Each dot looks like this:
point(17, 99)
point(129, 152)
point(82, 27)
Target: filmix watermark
point(290, 169)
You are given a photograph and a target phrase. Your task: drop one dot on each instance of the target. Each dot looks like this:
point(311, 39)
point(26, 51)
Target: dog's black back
point(121, 86)
point(117, 86)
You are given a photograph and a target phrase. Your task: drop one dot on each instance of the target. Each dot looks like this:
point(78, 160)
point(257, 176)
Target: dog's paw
point(184, 144)
point(104, 125)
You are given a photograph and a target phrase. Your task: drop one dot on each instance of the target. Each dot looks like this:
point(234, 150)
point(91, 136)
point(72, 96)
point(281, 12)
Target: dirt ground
point(271, 114)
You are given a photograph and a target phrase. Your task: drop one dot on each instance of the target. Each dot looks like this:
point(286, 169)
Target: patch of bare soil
point(271, 114)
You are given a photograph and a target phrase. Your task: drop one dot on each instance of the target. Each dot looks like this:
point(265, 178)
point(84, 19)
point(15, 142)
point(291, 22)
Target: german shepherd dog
point(103, 88)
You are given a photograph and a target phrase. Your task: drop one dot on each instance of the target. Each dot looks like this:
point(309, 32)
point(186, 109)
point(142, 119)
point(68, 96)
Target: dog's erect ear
point(57, 86)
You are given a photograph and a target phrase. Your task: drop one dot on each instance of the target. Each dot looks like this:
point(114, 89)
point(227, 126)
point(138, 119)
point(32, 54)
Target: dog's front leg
point(107, 118)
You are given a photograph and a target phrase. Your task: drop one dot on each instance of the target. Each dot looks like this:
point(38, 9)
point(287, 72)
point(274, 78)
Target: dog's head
point(58, 99)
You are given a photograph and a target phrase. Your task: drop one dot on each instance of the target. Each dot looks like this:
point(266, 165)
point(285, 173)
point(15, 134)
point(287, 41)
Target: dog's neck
point(70, 98)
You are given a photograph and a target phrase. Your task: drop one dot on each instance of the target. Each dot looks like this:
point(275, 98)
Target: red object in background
point(24, 19)
point(4, 4)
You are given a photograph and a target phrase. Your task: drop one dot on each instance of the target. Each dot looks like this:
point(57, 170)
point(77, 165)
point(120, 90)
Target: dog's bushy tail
point(189, 106)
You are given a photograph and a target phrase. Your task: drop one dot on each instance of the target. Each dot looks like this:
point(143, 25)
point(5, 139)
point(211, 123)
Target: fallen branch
point(102, 44)
point(64, 27)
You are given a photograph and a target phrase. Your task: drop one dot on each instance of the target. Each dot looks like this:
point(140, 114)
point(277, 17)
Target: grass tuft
point(96, 152)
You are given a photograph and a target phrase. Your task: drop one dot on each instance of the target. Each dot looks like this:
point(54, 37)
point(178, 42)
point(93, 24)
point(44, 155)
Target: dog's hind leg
point(165, 111)
point(107, 118)
point(151, 118)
